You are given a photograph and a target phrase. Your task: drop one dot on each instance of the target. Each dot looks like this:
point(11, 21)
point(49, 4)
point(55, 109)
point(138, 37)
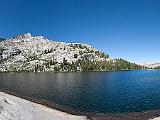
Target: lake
point(96, 92)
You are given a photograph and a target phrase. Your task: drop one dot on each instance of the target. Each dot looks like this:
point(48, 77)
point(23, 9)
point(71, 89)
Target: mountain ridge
point(152, 65)
point(36, 53)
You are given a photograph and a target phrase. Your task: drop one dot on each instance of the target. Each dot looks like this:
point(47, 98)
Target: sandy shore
point(14, 108)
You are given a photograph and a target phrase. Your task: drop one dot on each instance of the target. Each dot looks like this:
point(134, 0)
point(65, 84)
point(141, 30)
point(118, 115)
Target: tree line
point(91, 65)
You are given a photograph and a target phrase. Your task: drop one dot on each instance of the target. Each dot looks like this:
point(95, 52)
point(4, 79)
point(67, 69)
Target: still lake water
point(100, 92)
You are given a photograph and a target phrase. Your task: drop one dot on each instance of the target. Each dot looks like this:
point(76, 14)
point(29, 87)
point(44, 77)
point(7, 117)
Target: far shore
point(74, 71)
point(144, 115)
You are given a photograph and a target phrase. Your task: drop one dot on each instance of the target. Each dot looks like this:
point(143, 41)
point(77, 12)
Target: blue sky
point(122, 28)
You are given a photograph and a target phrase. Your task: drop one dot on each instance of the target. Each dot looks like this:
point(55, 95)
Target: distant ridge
point(151, 65)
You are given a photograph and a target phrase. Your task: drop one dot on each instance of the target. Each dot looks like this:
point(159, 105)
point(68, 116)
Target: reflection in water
point(103, 92)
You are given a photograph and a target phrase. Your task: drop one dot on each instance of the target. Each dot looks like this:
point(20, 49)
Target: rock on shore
point(14, 108)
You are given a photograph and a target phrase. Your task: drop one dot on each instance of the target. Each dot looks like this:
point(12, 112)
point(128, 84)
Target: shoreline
point(50, 104)
point(16, 108)
point(144, 115)
point(74, 71)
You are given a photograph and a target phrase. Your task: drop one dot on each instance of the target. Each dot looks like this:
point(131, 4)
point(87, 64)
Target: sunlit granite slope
point(14, 108)
point(36, 53)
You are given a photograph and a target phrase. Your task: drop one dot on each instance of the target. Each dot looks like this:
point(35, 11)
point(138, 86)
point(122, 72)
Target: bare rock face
point(36, 53)
point(14, 108)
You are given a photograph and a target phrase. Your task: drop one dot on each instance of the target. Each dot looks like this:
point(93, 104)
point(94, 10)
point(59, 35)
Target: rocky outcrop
point(14, 108)
point(28, 53)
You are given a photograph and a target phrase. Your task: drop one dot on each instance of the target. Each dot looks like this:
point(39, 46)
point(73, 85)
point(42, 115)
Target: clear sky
point(122, 28)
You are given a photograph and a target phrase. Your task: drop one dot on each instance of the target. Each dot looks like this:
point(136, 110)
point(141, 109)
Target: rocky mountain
point(152, 65)
point(36, 53)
